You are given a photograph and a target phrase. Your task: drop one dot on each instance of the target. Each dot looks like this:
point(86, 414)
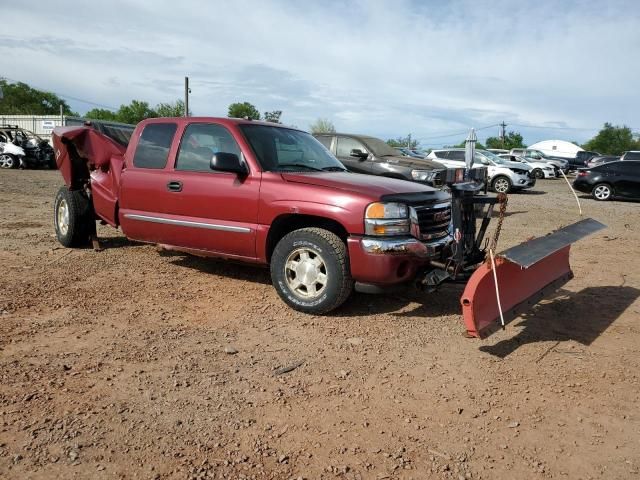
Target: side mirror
point(356, 152)
point(228, 162)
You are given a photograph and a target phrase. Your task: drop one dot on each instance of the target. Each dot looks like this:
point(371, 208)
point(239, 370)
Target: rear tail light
point(583, 174)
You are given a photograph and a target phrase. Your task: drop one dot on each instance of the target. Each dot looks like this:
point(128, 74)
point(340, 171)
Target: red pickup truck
point(254, 192)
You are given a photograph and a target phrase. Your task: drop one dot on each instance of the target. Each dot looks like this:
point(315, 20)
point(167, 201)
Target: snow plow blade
point(526, 274)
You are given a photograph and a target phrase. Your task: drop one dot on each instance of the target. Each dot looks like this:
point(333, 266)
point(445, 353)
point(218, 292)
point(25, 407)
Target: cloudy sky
point(549, 69)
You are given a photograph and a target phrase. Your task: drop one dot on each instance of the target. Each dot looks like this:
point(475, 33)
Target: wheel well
point(285, 224)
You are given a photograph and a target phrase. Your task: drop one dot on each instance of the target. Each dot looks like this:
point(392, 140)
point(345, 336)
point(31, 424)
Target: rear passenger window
point(457, 155)
point(200, 142)
point(154, 144)
point(632, 156)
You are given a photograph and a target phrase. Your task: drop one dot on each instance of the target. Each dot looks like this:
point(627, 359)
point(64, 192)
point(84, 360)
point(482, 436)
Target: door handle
point(174, 186)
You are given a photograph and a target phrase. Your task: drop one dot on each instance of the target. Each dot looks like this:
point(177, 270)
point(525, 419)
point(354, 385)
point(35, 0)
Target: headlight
point(386, 219)
point(422, 175)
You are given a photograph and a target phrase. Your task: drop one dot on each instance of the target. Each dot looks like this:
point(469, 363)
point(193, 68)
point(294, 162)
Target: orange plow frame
point(525, 274)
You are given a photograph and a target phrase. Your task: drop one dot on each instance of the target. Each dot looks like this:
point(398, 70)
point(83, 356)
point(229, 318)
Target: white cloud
point(383, 68)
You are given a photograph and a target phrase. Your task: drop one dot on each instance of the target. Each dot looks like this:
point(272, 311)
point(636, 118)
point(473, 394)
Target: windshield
point(379, 148)
point(282, 150)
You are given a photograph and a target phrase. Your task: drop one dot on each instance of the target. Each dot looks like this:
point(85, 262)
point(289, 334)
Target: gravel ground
point(134, 363)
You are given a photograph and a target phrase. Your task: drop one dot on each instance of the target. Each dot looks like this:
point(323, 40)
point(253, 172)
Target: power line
point(465, 132)
point(88, 102)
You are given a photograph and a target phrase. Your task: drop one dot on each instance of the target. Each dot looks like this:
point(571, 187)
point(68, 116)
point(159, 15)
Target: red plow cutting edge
point(524, 274)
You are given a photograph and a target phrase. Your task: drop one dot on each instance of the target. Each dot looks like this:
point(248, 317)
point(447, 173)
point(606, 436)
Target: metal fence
point(40, 124)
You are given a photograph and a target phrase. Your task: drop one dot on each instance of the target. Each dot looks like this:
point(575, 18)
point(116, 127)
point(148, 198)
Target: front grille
point(439, 178)
point(431, 222)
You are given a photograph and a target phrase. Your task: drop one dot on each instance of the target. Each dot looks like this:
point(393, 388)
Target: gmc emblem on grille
point(440, 216)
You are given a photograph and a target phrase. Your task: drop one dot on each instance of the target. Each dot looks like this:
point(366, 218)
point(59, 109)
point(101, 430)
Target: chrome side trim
point(187, 223)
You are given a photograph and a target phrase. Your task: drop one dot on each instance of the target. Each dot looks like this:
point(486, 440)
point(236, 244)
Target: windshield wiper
point(334, 169)
point(300, 165)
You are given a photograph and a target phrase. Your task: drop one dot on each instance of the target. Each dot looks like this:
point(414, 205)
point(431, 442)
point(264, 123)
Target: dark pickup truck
point(365, 154)
point(254, 192)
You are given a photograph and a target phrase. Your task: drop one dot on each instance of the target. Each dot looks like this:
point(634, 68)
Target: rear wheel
point(72, 218)
point(310, 270)
point(501, 184)
point(602, 192)
point(9, 161)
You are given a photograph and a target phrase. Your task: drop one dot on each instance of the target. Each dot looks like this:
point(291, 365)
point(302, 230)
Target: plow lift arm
point(524, 274)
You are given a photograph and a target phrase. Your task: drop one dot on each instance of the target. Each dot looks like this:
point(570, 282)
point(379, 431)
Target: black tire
point(501, 184)
point(602, 192)
point(538, 173)
point(9, 161)
point(73, 231)
point(334, 260)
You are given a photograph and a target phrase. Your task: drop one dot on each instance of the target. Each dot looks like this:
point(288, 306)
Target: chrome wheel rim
point(602, 192)
point(6, 161)
point(306, 273)
point(501, 185)
point(63, 217)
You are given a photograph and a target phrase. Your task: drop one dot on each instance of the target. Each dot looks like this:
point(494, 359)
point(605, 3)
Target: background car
point(504, 177)
point(408, 152)
point(539, 169)
point(594, 161)
point(630, 155)
point(619, 179)
point(538, 156)
point(365, 154)
point(582, 158)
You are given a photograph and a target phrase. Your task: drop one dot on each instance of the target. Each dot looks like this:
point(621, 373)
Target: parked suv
point(503, 176)
point(582, 159)
point(364, 154)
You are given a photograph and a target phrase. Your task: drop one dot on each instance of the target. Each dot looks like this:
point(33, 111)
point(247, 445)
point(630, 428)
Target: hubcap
point(501, 185)
point(6, 161)
point(306, 273)
point(602, 192)
point(63, 217)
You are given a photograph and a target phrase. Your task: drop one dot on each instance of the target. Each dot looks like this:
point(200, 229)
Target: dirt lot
point(113, 364)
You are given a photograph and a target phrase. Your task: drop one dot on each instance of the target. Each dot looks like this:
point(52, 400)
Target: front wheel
point(310, 270)
point(72, 217)
point(538, 173)
point(9, 161)
point(501, 184)
point(602, 192)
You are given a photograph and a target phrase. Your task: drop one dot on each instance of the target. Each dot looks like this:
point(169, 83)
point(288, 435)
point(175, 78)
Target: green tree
point(273, 117)
point(101, 114)
point(403, 142)
point(462, 144)
point(322, 125)
point(612, 140)
point(175, 109)
point(511, 140)
point(242, 110)
point(135, 112)
point(21, 99)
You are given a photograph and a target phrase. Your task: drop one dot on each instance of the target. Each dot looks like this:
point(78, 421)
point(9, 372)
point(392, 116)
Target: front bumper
point(389, 261)
point(523, 181)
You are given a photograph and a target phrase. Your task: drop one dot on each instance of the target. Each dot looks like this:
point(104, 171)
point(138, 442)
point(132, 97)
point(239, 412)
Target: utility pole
point(409, 141)
point(61, 116)
point(187, 91)
point(503, 134)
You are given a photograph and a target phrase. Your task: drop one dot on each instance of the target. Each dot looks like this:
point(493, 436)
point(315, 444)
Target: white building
point(557, 148)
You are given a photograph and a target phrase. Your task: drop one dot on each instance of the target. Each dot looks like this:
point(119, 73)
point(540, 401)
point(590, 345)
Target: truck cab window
point(153, 147)
point(200, 142)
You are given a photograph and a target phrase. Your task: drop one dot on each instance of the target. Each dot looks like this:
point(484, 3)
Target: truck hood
point(369, 185)
point(411, 162)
